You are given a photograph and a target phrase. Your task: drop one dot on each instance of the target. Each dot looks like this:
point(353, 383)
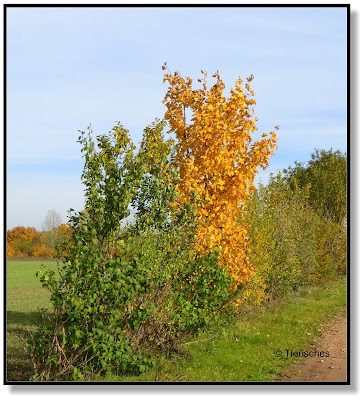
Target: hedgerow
point(203, 240)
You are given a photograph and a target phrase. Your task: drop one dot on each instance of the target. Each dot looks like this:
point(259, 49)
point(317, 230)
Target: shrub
point(326, 173)
point(292, 242)
point(125, 295)
point(281, 239)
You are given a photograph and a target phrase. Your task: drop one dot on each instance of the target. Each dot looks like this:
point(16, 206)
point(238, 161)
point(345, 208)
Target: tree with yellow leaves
point(218, 161)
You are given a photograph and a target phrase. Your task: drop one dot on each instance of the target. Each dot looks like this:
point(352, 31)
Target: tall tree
point(218, 161)
point(51, 225)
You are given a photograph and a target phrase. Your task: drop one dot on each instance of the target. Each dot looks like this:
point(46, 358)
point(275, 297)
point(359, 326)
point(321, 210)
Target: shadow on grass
point(19, 325)
point(24, 318)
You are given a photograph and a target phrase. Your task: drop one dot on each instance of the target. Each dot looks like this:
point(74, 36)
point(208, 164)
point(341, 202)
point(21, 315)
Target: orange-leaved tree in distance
point(218, 160)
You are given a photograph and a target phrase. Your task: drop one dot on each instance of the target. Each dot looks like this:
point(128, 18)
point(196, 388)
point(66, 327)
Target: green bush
point(125, 295)
point(280, 227)
point(296, 236)
point(326, 174)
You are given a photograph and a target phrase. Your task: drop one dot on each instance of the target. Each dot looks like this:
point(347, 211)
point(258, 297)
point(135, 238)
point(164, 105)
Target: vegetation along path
point(324, 369)
point(243, 350)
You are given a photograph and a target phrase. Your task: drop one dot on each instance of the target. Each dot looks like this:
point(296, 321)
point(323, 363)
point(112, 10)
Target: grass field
point(243, 351)
point(24, 296)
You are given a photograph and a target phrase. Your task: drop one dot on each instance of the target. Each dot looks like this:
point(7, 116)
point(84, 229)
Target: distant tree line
point(29, 242)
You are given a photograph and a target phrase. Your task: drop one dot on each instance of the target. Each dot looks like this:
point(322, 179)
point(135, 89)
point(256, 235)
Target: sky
point(68, 68)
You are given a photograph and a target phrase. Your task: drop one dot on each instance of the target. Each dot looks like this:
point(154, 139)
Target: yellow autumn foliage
point(218, 160)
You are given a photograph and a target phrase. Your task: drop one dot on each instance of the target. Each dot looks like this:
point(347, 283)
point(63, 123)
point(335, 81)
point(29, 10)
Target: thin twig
point(202, 340)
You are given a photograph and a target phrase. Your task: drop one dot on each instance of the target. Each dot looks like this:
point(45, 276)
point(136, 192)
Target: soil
point(323, 369)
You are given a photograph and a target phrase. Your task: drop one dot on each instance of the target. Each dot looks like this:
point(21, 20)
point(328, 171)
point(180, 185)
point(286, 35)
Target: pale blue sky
point(67, 67)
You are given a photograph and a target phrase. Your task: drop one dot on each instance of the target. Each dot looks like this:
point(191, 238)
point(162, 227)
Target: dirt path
point(323, 369)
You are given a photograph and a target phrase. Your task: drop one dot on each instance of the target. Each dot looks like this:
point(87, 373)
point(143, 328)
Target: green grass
point(24, 295)
point(243, 351)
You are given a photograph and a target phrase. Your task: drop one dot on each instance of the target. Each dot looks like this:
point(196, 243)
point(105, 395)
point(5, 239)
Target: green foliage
point(124, 295)
point(163, 238)
point(212, 356)
point(110, 176)
point(297, 236)
point(326, 176)
point(156, 193)
point(281, 238)
point(92, 296)
point(326, 173)
point(202, 288)
point(154, 149)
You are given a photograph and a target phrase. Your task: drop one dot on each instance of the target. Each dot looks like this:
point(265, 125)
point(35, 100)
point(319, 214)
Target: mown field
point(239, 351)
point(24, 296)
